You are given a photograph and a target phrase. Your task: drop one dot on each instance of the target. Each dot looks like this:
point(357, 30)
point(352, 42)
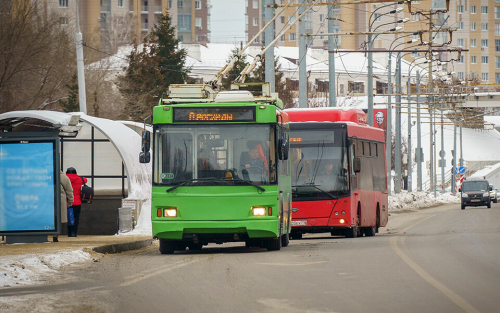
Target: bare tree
point(119, 31)
point(37, 56)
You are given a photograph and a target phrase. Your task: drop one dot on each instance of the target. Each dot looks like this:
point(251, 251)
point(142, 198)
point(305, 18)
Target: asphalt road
point(435, 260)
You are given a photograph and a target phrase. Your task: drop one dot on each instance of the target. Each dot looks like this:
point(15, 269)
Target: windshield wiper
point(249, 183)
point(189, 181)
point(315, 186)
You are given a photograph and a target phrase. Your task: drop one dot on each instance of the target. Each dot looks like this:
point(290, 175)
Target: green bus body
point(213, 198)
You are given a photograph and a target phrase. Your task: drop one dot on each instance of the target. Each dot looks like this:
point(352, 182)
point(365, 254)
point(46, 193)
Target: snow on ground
point(35, 268)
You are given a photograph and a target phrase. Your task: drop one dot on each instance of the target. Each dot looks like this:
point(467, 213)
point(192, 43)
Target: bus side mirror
point(283, 149)
point(356, 165)
point(145, 156)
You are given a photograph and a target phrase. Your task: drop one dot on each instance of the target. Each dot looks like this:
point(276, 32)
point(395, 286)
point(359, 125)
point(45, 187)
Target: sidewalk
point(100, 244)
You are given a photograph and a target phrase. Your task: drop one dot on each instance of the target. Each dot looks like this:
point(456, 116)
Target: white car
point(494, 194)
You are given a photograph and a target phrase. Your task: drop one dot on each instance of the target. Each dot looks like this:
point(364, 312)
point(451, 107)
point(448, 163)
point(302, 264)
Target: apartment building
point(110, 23)
point(477, 23)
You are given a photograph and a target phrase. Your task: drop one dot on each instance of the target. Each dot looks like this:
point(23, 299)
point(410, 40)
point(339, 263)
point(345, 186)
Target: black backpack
point(87, 193)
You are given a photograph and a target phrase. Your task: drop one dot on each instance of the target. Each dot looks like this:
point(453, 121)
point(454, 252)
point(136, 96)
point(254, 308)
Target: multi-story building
point(477, 24)
point(109, 23)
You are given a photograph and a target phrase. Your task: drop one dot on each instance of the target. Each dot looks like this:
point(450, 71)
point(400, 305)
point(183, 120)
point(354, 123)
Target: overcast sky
point(228, 21)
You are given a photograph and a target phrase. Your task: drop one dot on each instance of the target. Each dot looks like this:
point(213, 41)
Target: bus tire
point(489, 204)
point(285, 239)
point(351, 232)
point(273, 244)
point(369, 231)
point(167, 247)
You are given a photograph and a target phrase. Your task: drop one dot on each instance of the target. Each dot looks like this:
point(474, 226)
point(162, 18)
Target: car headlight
point(486, 194)
point(259, 211)
point(464, 195)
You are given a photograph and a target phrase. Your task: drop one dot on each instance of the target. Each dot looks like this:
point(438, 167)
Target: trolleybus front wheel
point(167, 247)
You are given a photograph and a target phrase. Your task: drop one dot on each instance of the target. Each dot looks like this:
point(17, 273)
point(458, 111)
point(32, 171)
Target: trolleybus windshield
point(214, 155)
point(319, 163)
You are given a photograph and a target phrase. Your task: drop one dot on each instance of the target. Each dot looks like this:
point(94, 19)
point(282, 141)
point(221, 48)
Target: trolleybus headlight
point(259, 211)
point(170, 212)
point(342, 221)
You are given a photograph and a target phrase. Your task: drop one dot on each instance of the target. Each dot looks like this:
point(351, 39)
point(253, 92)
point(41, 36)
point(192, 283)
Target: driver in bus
point(329, 177)
point(251, 162)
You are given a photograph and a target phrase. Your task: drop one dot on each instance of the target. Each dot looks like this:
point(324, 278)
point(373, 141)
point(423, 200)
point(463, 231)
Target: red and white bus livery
point(339, 182)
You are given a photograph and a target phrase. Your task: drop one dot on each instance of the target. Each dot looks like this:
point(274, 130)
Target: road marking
point(164, 270)
point(455, 298)
point(293, 264)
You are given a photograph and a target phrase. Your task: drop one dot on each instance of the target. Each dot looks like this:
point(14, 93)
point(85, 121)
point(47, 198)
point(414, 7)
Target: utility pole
point(397, 148)
point(388, 135)
point(429, 98)
point(269, 36)
point(419, 138)
point(80, 66)
point(409, 168)
point(302, 60)
point(454, 165)
point(331, 61)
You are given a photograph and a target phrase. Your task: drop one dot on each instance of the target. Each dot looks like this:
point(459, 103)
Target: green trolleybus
point(220, 169)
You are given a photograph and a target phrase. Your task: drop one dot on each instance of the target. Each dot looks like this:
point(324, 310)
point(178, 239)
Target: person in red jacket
point(77, 183)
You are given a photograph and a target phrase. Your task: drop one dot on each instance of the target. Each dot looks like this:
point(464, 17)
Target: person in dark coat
point(66, 201)
point(77, 183)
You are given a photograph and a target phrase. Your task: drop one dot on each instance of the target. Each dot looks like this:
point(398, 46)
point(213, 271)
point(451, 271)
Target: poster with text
point(380, 118)
point(27, 200)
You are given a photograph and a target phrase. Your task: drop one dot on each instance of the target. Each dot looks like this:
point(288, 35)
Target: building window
point(197, 22)
point(460, 25)
point(255, 4)
point(197, 5)
point(497, 29)
point(282, 19)
point(484, 76)
point(378, 17)
point(484, 26)
point(497, 45)
point(64, 21)
point(321, 35)
point(415, 17)
point(497, 12)
point(484, 43)
point(120, 3)
point(63, 3)
point(484, 9)
point(460, 9)
point(321, 18)
point(255, 21)
point(462, 59)
point(291, 19)
point(473, 74)
point(497, 62)
point(473, 9)
point(309, 22)
point(184, 22)
point(473, 26)
point(282, 38)
point(473, 59)
point(460, 42)
point(473, 42)
point(484, 59)
point(497, 78)
point(291, 36)
point(460, 75)
point(180, 4)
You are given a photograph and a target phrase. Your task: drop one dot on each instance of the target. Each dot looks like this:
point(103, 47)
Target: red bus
point(339, 182)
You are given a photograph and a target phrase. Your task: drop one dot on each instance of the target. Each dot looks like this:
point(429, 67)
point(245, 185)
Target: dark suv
point(475, 192)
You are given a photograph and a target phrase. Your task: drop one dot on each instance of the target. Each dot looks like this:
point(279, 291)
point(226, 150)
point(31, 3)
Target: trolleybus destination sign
point(215, 114)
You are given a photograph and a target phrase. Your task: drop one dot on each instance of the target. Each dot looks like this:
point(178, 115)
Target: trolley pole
point(268, 35)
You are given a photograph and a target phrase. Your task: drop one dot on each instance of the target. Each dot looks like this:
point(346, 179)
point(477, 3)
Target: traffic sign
point(461, 169)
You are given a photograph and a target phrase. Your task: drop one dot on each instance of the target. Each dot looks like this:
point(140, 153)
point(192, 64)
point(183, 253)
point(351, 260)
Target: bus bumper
point(224, 229)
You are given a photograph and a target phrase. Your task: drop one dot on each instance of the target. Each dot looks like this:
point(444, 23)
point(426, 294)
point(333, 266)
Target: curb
point(121, 247)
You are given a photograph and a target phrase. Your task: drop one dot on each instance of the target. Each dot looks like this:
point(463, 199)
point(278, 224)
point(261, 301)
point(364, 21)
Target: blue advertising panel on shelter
point(27, 186)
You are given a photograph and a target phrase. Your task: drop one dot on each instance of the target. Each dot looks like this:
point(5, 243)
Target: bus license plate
point(299, 223)
point(475, 200)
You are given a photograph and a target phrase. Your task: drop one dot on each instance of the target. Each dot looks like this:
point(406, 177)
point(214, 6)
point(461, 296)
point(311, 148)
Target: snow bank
point(410, 201)
point(31, 269)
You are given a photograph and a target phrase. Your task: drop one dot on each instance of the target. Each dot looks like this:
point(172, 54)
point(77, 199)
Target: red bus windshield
point(320, 167)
